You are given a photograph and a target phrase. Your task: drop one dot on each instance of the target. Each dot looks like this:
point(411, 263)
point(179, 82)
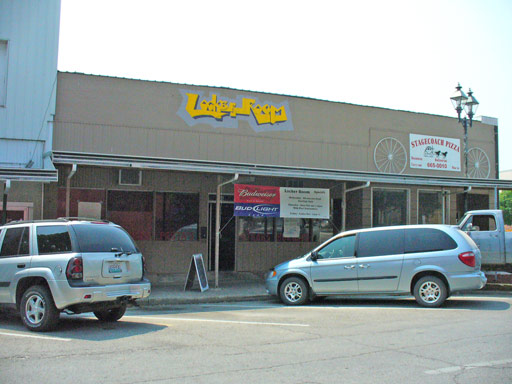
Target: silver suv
point(71, 265)
point(428, 261)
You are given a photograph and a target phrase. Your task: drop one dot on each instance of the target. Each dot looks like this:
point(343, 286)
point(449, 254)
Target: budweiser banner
point(263, 201)
point(435, 153)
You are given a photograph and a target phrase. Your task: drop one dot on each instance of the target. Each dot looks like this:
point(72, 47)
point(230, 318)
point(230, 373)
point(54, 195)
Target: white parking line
point(34, 336)
point(457, 368)
point(215, 321)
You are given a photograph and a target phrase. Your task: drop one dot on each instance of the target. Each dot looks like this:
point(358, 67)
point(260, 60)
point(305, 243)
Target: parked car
point(428, 261)
point(487, 229)
point(76, 266)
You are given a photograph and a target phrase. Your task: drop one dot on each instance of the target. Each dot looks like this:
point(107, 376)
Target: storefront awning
point(122, 161)
point(28, 174)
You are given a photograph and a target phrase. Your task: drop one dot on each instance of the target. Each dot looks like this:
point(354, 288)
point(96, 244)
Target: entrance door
point(227, 238)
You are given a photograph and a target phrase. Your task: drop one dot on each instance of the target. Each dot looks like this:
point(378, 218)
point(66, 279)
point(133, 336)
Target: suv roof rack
point(14, 222)
point(59, 219)
point(78, 218)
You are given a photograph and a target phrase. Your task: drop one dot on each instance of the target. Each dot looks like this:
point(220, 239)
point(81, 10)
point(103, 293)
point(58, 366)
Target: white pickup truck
point(487, 229)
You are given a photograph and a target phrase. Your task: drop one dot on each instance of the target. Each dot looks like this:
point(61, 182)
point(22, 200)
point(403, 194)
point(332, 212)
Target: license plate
point(114, 268)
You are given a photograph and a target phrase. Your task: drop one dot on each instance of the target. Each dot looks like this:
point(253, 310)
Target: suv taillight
point(143, 266)
point(468, 258)
point(75, 269)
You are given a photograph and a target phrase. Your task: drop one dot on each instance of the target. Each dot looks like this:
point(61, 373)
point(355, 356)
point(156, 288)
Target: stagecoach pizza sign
point(436, 153)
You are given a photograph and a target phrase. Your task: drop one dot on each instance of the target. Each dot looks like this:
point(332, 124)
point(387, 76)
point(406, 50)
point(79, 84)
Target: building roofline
point(259, 92)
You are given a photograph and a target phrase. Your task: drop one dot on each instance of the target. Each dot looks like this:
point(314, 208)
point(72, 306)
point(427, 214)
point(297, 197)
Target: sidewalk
point(232, 290)
point(164, 295)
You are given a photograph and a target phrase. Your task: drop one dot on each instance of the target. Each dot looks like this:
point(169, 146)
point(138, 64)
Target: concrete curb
point(165, 301)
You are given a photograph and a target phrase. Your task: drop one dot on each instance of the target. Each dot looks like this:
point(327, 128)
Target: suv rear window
point(427, 240)
point(53, 239)
point(380, 243)
point(103, 238)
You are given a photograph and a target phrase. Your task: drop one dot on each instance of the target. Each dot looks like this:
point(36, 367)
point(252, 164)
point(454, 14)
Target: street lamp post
point(469, 105)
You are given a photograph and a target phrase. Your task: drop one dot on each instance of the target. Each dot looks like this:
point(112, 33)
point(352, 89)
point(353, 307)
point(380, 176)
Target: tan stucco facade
point(143, 120)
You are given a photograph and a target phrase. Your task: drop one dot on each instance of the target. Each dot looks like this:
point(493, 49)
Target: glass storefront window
point(322, 230)
point(430, 207)
point(133, 211)
point(255, 229)
point(389, 207)
point(176, 216)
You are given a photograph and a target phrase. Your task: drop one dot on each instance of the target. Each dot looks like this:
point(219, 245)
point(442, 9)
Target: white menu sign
point(306, 203)
point(435, 153)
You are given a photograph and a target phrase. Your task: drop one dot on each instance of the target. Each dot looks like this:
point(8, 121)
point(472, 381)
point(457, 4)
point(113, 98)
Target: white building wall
point(30, 30)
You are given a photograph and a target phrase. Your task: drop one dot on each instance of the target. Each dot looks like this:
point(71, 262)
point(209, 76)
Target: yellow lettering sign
point(218, 109)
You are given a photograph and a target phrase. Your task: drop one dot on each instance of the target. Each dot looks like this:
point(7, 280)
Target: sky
point(404, 55)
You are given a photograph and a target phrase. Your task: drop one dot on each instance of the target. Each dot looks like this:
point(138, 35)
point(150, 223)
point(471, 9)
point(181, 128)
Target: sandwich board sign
point(196, 267)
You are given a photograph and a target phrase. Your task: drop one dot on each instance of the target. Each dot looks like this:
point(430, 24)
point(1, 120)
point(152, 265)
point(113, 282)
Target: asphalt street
point(351, 341)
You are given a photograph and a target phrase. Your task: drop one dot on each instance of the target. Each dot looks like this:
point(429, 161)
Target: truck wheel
point(112, 314)
point(430, 291)
point(38, 310)
point(294, 291)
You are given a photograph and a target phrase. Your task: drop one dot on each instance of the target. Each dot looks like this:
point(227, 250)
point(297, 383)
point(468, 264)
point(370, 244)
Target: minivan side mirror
point(314, 255)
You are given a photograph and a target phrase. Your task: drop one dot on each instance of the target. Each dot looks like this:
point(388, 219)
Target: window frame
point(408, 203)
point(165, 192)
point(443, 204)
point(3, 87)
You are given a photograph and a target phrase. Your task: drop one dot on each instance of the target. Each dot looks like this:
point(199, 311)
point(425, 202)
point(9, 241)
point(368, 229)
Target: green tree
point(506, 206)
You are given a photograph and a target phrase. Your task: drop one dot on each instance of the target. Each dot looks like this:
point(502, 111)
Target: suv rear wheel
point(38, 310)
point(112, 314)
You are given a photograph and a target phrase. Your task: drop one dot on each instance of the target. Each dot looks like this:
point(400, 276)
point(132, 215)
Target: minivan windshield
point(103, 238)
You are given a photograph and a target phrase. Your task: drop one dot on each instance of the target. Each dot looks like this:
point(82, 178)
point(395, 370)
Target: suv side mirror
point(314, 255)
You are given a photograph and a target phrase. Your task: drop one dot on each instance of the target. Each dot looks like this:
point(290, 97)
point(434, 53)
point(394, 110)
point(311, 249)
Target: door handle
point(364, 266)
point(21, 266)
point(349, 266)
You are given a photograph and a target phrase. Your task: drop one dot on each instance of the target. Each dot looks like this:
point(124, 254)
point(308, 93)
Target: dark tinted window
point(379, 243)
point(103, 238)
point(427, 240)
point(342, 247)
point(15, 242)
point(53, 239)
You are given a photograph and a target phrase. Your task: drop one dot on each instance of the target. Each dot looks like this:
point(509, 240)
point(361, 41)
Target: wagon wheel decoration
point(479, 165)
point(390, 156)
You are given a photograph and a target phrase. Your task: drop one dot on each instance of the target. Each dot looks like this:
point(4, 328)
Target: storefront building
point(151, 156)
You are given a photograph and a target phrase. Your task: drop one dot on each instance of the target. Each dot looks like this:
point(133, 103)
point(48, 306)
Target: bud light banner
point(262, 201)
point(257, 201)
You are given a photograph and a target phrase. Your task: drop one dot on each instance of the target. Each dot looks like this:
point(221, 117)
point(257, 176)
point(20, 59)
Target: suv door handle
point(350, 266)
point(21, 266)
point(364, 266)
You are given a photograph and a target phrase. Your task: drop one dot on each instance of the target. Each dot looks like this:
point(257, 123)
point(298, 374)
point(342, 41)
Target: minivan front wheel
point(294, 291)
point(37, 309)
point(430, 291)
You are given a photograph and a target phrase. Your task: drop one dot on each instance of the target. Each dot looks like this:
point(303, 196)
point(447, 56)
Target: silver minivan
point(428, 261)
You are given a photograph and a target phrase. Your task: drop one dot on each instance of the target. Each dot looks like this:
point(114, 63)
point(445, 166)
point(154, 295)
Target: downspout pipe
point(344, 202)
point(217, 224)
point(7, 188)
point(68, 187)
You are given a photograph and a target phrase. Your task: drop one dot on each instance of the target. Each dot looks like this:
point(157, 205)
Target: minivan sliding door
point(380, 256)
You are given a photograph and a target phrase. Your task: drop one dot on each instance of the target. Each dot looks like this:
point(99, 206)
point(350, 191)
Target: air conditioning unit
point(130, 177)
